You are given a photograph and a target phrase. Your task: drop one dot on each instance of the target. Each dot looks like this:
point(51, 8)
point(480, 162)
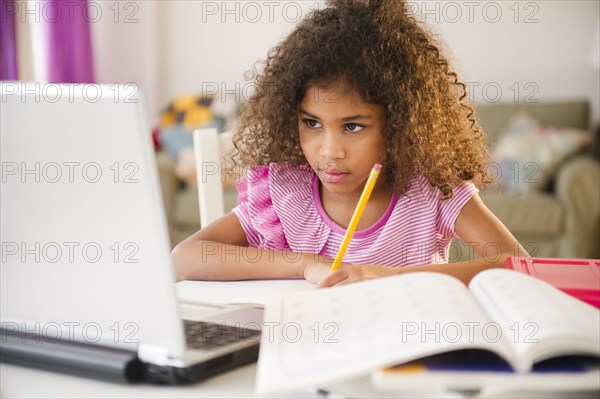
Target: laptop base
point(80, 359)
point(110, 364)
point(170, 375)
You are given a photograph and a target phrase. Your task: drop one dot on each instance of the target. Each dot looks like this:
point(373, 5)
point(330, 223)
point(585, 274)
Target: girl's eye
point(353, 127)
point(311, 123)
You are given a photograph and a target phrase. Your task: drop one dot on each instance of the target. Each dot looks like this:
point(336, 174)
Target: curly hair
point(391, 60)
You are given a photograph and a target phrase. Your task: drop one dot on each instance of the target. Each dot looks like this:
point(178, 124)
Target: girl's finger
point(333, 278)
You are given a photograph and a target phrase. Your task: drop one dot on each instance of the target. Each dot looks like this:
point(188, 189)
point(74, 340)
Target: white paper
point(330, 335)
point(237, 292)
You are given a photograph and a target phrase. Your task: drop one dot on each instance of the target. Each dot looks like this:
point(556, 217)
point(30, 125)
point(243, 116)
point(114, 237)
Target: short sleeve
point(256, 212)
point(448, 210)
point(241, 211)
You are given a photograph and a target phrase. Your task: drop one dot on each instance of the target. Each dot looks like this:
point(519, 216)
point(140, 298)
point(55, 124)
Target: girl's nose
point(331, 147)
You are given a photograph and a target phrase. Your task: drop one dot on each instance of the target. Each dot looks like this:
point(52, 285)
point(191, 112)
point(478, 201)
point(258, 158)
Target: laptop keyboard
point(205, 336)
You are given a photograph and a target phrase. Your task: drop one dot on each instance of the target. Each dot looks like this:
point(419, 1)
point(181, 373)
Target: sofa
point(560, 220)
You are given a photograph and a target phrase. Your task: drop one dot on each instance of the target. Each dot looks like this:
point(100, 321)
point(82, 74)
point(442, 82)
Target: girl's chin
point(339, 188)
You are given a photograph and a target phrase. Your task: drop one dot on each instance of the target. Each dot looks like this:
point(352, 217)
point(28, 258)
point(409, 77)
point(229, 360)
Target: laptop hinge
point(153, 354)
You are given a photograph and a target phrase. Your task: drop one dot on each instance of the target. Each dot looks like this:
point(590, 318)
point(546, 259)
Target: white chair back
point(209, 148)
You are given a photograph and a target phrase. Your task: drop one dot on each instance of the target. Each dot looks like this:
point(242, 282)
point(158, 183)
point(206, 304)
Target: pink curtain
point(69, 42)
point(8, 41)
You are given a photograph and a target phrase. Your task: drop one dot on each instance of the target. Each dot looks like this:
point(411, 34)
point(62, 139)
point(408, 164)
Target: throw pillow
point(528, 153)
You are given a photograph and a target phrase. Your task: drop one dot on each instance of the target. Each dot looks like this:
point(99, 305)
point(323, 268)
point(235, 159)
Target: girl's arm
point(475, 224)
point(220, 251)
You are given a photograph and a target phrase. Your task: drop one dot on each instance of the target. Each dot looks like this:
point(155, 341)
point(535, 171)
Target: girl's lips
point(333, 176)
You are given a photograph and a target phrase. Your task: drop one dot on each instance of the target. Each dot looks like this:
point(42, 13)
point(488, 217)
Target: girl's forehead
point(334, 105)
point(332, 95)
point(340, 86)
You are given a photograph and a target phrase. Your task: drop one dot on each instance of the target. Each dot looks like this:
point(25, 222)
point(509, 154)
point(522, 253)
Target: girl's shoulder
point(275, 179)
point(420, 185)
point(421, 191)
point(280, 174)
point(276, 204)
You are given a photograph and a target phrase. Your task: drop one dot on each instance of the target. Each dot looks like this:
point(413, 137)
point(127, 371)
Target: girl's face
point(341, 137)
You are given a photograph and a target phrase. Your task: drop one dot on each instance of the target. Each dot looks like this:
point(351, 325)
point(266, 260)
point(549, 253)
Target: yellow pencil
point(362, 202)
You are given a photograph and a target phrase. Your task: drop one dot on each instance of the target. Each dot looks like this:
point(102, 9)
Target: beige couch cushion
point(570, 113)
point(537, 214)
point(186, 213)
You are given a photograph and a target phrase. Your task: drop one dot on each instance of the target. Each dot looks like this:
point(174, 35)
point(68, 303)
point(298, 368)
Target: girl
point(356, 83)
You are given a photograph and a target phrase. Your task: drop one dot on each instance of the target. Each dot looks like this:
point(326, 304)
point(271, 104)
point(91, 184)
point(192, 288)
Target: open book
point(482, 371)
point(326, 336)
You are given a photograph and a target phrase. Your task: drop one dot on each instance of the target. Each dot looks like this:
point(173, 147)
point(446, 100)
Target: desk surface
point(25, 382)
point(22, 382)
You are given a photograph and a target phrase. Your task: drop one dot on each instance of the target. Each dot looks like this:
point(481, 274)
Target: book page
point(537, 319)
point(333, 334)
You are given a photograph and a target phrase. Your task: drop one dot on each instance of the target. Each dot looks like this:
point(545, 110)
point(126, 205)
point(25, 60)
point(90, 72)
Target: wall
point(535, 50)
point(508, 50)
point(126, 39)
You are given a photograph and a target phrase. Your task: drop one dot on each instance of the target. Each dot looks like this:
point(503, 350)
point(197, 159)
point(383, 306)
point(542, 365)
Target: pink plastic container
point(577, 277)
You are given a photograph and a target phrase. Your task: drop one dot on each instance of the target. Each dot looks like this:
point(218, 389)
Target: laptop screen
point(85, 250)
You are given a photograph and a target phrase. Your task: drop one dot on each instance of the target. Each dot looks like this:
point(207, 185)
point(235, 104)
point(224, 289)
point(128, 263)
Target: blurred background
point(532, 68)
point(175, 47)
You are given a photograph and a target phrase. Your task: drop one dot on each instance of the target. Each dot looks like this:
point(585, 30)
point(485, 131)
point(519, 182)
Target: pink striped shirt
point(279, 207)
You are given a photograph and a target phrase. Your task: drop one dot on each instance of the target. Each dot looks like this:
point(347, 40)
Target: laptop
point(87, 286)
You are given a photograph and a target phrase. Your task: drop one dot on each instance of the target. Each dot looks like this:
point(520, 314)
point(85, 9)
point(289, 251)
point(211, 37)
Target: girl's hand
point(317, 271)
point(319, 274)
